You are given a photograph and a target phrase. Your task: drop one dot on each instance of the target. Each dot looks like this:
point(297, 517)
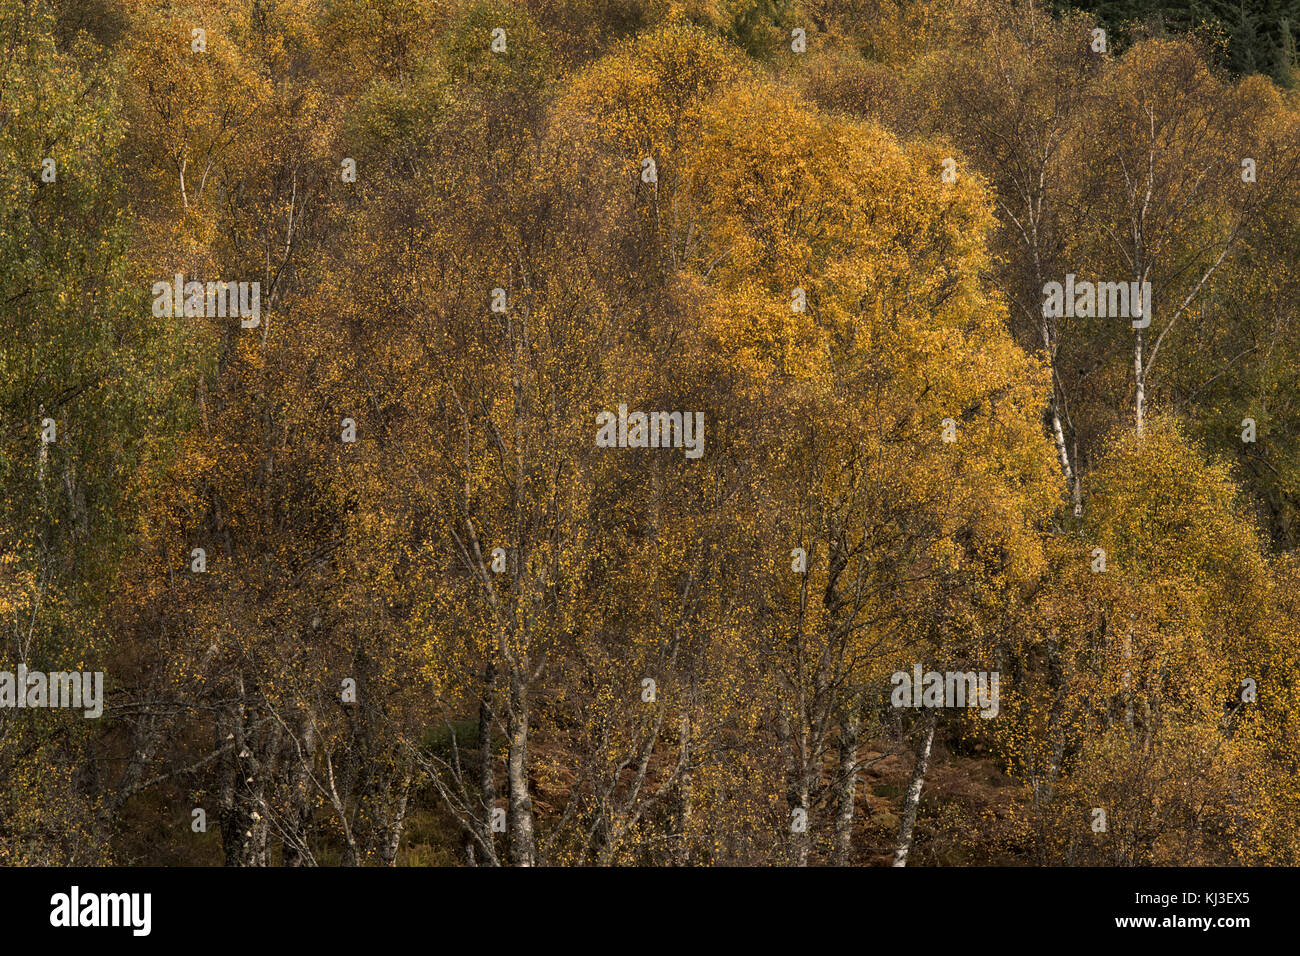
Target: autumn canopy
point(585, 410)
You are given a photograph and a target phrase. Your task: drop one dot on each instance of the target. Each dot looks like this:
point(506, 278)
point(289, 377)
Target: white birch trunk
point(913, 798)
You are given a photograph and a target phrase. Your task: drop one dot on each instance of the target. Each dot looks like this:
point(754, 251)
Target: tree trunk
point(298, 822)
point(486, 772)
point(243, 785)
point(914, 788)
point(684, 785)
point(802, 840)
point(847, 785)
point(796, 791)
point(1055, 721)
point(397, 825)
point(1139, 376)
point(1057, 429)
point(523, 845)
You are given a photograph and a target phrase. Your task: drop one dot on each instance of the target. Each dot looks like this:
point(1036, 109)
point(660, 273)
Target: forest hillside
point(586, 432)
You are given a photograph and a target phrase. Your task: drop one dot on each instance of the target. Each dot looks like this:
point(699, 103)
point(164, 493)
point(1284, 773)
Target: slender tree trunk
point(1071, 479)
point(685, 785)
point(300, 800)
point(796, 791)
point(1056, 720)
point(913, 799)
point(486, 772)
point(243, 786)
point(847, 784)
point(523, 845)
point(1126, 685)
point(1058, 430)
point(1139, 376)
point(397, 825)
point(803, 838)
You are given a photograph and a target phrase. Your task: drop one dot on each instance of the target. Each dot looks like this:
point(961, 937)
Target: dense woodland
point(473, 635)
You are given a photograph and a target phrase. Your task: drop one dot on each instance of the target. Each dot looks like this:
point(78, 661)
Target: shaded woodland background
point(521, 690)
